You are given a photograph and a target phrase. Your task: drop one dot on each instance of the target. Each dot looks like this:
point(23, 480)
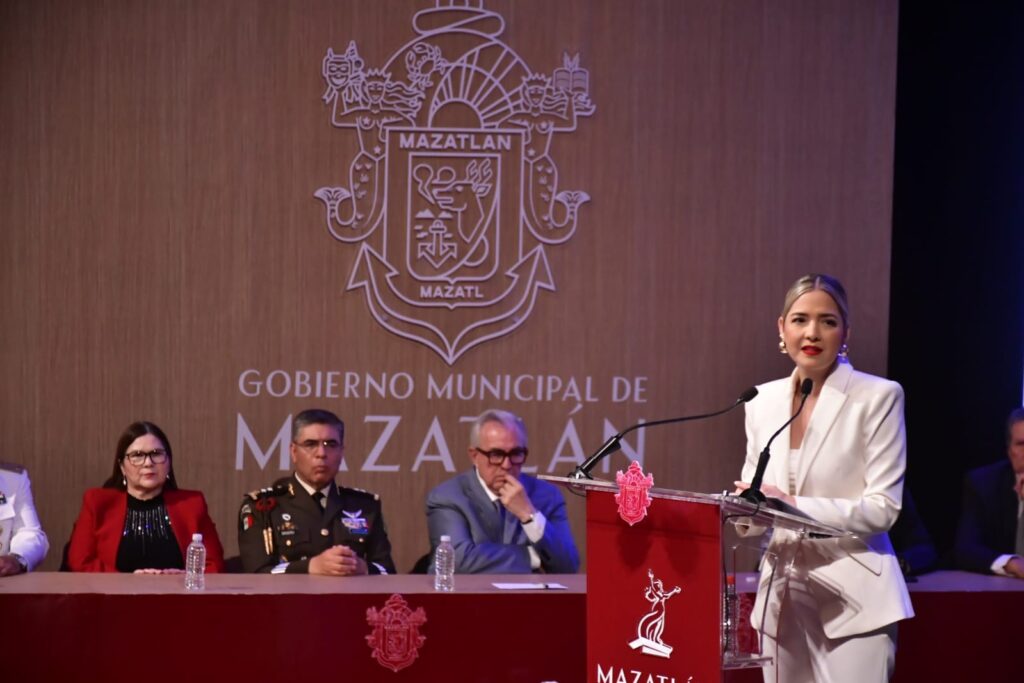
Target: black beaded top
point(147, 541)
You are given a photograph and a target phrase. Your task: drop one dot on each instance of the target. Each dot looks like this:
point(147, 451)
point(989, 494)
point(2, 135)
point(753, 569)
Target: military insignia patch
point(354, 523)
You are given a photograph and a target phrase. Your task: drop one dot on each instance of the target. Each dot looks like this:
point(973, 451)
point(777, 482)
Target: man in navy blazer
point(989, 537)
point(500, 520)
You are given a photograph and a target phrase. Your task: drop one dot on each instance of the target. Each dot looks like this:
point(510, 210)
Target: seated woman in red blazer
point(140, 521)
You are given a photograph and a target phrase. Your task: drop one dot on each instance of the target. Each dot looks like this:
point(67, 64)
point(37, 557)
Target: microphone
point(753, 494)
point(613, 444)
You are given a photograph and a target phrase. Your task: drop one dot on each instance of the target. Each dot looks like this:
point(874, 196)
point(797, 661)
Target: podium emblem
point(395, 638)
point(632, 497)
point(652, 624)
point(453, 196)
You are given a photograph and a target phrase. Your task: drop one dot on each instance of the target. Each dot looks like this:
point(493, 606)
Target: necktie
point(510, 529)
point(1020, 531)
point(319, 498)
point(500, 509)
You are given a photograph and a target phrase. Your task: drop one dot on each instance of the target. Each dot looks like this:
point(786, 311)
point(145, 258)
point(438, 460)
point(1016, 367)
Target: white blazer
point(850, 476)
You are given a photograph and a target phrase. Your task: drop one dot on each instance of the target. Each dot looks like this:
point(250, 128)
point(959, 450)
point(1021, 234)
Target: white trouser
point(804, 654)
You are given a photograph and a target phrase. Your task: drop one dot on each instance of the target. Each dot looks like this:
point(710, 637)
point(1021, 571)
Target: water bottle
point(195, 564)
point(444, 565)
point(730, 618)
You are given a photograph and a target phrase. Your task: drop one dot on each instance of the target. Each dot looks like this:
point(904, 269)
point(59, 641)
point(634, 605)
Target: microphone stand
point(753, 494)
point(614, 443)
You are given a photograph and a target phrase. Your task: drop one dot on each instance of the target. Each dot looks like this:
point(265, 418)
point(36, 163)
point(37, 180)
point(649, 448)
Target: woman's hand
point(768, 490)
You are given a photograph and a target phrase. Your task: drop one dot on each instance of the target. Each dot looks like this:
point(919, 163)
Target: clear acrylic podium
point(660, 594)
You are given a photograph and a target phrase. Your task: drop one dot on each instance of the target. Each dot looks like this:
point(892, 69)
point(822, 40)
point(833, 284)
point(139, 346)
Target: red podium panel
point(653, 591)
point(655, 607)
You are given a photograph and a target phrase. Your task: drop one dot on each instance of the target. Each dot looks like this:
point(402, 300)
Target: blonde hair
point(827, 284)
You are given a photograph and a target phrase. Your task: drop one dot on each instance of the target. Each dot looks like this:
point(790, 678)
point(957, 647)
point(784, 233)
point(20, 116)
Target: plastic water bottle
point(195, 564)
point(730, 618)
point(444, 565)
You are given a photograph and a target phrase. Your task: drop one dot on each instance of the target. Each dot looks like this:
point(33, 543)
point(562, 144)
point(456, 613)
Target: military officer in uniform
point(306, 523)
point(23, 543)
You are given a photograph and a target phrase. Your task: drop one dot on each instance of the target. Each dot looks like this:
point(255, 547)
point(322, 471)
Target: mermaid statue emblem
point(652, 624)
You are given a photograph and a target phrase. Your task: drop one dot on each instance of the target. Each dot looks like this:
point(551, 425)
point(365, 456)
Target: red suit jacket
point(97, 532)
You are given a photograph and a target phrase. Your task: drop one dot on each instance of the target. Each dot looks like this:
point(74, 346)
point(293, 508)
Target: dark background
point(957, 308)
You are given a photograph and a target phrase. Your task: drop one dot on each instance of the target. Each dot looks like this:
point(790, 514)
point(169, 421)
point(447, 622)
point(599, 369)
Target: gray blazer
point(460, 508)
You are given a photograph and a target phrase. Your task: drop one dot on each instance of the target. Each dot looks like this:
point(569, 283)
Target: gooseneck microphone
point(753, 494)
point(613, 444)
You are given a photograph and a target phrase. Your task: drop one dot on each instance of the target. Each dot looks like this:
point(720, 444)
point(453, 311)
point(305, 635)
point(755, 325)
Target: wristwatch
point(21, 562)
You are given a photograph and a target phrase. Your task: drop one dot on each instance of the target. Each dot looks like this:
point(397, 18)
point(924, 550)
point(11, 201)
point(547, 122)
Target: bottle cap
point(445, 538)
point(197, 538)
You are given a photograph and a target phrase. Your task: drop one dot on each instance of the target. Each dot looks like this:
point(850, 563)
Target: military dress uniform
point(282, 527)
point(20, 532)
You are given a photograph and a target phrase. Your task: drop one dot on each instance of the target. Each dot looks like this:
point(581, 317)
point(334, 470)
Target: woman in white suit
point(833, 615)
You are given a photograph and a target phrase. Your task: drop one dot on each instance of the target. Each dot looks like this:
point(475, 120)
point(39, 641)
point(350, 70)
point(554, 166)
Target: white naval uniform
point(20, 532)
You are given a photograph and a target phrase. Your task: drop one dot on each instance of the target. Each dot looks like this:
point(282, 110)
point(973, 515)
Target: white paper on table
point(530, 586)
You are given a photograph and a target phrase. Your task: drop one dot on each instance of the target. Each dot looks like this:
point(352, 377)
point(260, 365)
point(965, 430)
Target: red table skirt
point(108, 627)
point(92, 627)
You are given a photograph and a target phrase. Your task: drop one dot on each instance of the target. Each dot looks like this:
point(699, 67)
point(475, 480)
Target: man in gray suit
point(501, 521)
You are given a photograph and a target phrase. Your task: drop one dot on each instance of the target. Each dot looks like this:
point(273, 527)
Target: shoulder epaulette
point(360, 492)
point(280, 489)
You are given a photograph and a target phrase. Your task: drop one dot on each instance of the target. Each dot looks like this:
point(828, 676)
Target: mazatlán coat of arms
point(453, 194)
point(395, 638)
point(632, 498)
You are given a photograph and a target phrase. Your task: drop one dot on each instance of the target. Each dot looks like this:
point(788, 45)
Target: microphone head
point(806, 387)
point(748, 394)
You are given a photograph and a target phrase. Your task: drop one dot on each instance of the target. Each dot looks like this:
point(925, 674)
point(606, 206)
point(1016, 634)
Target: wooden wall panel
point(160, 234)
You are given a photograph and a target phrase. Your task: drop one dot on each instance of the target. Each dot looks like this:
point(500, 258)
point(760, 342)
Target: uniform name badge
point(354, 522)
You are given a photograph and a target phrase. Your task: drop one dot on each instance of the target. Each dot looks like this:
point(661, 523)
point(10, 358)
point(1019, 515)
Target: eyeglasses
point(157, 456)
point(496, 456)
point(311, 444)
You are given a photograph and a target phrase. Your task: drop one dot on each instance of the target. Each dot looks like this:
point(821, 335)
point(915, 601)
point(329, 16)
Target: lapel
point(335, 503)
point(777, 412)
point(485, 509)
point(1008, 505)
point(826, 411)
point(112, 524)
